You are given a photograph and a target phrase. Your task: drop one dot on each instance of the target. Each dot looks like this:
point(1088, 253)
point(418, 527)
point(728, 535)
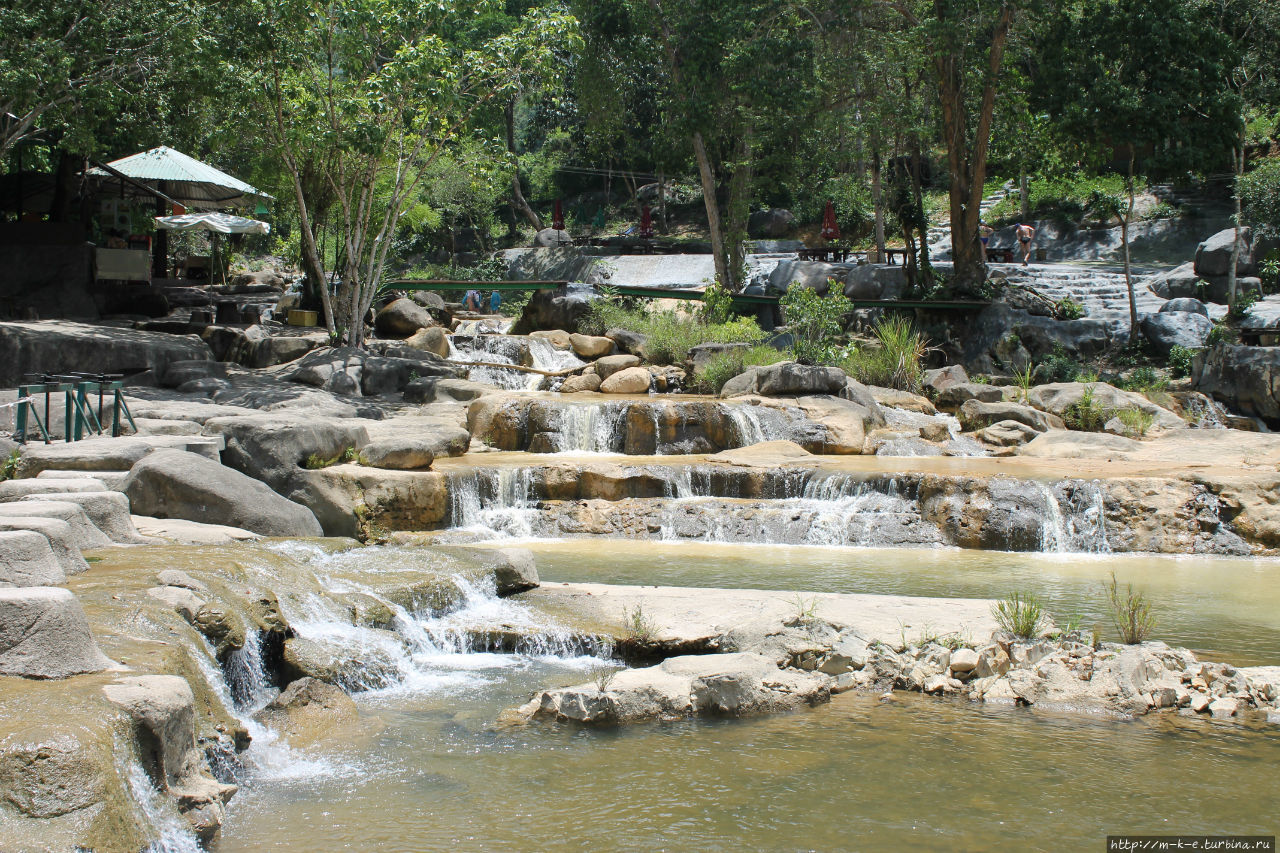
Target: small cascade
point(247, 680)
point(1074, 519)
point(498, 502)
point(175, 835)
point(591, 428)
point(548, 358)
point(1206, 413)
point(495, 350)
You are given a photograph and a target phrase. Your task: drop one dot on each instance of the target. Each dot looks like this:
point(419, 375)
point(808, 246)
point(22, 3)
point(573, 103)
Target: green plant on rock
point(638, 626)
point(1180, 359)
point(1058, 367)
point(1068, 309)
point(717, 305)
point(1025, 379)
point(9, 469)
point(1222, 333)
point(603, 677)
point(315, 461)
point(1021, 614)
point(816, 323)
point(1136, 421)
point(1086, 414)
point(1145, 379)
point(897, 359)
point(806, 609)
point(726, 365)
point(1130, 611)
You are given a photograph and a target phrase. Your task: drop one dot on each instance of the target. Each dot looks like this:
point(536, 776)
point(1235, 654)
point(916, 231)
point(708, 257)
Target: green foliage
point(1145, 379)
point(638, 626)
point(1180, 358)
point(670, 334)
point(1244, 303)
point(1130, 611)
point(1136, 421)
point(717, 305)
point(1068, 309)
point(816, 322)
point(9, 468)
point(1020, 614)
point(896, 362)
point(1058, 367)
point(1086, 414)
point(723, 367)
point(1260, 196)
point(1222, 333)
point(1025, 379)
point(315, 462)
point(1072, 197)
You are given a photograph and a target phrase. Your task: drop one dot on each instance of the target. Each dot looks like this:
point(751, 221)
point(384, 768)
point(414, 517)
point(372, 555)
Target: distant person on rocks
point(984, 232)
point(471, 301)
point(495, 301)
point(1025, 235)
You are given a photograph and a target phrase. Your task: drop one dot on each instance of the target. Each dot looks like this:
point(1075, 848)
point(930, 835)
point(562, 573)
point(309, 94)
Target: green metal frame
point(79, 417)
point(447, 284)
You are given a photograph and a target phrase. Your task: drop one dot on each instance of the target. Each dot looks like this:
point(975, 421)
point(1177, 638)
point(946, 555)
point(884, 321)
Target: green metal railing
point(80, 418)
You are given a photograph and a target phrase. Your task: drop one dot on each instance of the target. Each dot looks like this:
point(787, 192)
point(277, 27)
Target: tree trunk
point(922, 224)
point(877, 200)
point(311, 258)
point(1024, 197)
point(738, 212)
point(1124, 241)
point(517, 195)
point(1232, 284)
point(708, 177)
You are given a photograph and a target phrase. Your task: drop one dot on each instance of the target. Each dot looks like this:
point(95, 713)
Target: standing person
point(471, 301)
point(1025, 235)
point(984, 234)
point(495, 300)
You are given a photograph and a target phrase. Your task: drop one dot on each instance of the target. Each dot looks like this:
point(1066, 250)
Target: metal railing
point(80, 418)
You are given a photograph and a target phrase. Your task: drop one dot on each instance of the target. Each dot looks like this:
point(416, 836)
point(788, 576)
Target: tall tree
point(1148, 79)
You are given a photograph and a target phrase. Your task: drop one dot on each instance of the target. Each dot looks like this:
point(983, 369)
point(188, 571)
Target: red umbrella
point(646, 222)
point(830, 230)
point(557, 218)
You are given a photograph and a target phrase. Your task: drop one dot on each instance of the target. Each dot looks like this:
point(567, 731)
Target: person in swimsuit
point(984, 234)
point(1025, 234)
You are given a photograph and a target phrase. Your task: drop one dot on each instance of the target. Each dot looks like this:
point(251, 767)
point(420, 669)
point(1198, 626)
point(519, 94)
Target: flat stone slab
point(60, 346)
point(184, 532)
point(686, 617)
point(86, 534)
point(108, 510)
point(44, 634)
point(12, 490)
point(110, 479)
point(105, 453)
point(61, 538)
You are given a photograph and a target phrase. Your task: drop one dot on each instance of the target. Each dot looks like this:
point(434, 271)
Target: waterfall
point(497, 502)
point(546, 357)
point(489, 348)
point(247, 679)
point(175, 834)
point(1074, 519)
point(754, 424)
point(591, 428)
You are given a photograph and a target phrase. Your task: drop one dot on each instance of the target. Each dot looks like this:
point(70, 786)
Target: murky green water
point(1226, 608)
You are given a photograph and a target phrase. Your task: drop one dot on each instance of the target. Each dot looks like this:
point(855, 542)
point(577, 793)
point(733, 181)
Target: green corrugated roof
point(186, 179)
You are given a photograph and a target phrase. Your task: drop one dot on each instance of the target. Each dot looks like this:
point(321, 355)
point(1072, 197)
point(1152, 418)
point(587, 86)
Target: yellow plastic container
point(298, 317)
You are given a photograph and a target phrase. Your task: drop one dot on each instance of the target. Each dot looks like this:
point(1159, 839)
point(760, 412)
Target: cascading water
point(497, 502)
point(506, 349)
point(591, 428)
point(1074, 519)
point(175, 835)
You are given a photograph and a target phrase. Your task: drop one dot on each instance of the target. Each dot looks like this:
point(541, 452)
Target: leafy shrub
point(816, 322)
point(670, 334)
point(1180, 361)
point(1145, 379)
point(1068, 309)
point(9, 468)
point(1058, 367)
point(1130, 611)
point(638, 626)
point(1087, 413)
point(717, 305)
point(1222, 333)
point(723, 367)
point(1244, 302)
point(1136, 421)
point(1021, 614)
point(1068, 197)
point(897, 361)
point(1260, 196)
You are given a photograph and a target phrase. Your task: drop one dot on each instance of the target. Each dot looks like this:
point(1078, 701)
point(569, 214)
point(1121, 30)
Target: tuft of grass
point(897, 361)
point(1180, 358)
point(603, 677)
point(669, 334)
point(638, 626)
point(1021, 614)
point(315, 461)
point(1145, 380)
point(723, 367)
point(1025, 379)
point(1086, 414)
point(1130, 611)
point(1136, 421)
point(806, 609)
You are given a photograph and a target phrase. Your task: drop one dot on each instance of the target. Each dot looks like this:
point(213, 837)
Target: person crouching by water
point(1025, 234)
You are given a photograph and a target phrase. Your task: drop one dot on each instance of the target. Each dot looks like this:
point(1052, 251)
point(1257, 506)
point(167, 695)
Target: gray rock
point(964, 661)
point(956, 394)
point(12, 490)
point(369, 665)
point(975, 414)
point(407, 454)
point(590, 346)
point(59, 347)
point(939, 379)
point(788, 378)
point(185, 602)
point(627, 341)
point(771, 224)
point(176, 484)
point(1166, 330)
point(875, 281)
point(550, 238)
point(1213, 256)
point(175, 577)
point(60, 536)
point(26, 559)
point(1223, 708)
point(577, 384)
point(1246, 378)
point(1179, 283)
point(177, 372)
point(814, 275)
point(1007, 434)
point(108, 510)
point(433, 340)
point(552, 310)
point(96, 454)
point(1060, 397)
point(272, 446)
point(400, 318)
point(85, 533)
point(44, 634)
point(1185, 305)
point(515, 570)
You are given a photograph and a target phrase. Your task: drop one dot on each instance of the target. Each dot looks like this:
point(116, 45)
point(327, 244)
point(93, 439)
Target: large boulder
point(26, 559)
point(271, 447)
point(611, 364)
point(1213, 256)
point(975, 415)
point(44, 634)
point(590, 346)
point(814, 275)
point(1180, 282)
point(549, 238)
point(85, 533)
point(60, 347)
point(400, 318)
point(60, 536)
point(578, 384)
point(177, 484)
point(956, 394)
point(772, 223)
point(552, 310)
point(433, 340)
point(1184, 305)
point(875, 281)
point(786, 378)
point(941, 378)
point(1061, 398)
point(629, 380)
point(309, 711)
point(1246, 378)
point(409, 454)
point(1167, 330)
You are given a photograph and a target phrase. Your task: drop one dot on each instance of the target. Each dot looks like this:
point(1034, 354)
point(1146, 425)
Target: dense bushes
point(669, 334)
point(897, 361)
point(816, 323)
point(1260, 196)
point(723, 367)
